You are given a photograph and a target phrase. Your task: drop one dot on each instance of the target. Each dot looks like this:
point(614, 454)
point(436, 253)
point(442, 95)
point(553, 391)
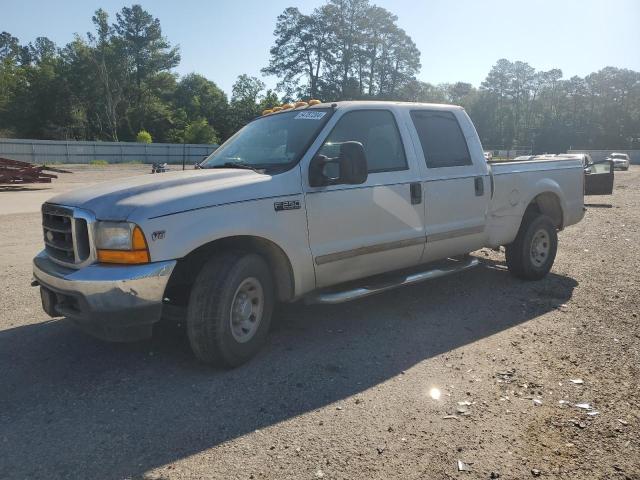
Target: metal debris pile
point(14, 172)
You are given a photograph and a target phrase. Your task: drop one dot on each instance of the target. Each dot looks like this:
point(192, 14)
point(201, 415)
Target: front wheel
point(532, 253)
point(230, 309)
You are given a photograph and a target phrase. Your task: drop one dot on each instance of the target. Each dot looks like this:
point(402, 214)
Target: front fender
point(184, 232)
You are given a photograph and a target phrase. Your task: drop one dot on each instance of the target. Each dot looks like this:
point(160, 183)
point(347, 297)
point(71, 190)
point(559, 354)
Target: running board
point(389, 283)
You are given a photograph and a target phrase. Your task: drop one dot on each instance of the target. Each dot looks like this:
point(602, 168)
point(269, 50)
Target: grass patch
point(101, 163)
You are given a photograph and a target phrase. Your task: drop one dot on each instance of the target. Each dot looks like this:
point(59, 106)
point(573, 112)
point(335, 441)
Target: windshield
point(620, 156)
point(271, 142)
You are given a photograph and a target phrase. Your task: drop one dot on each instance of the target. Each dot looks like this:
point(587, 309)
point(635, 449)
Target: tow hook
point(35, 283)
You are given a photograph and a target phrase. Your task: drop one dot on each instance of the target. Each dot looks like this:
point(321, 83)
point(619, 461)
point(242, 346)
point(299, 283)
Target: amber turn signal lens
point(138, 241)
point(123, 256)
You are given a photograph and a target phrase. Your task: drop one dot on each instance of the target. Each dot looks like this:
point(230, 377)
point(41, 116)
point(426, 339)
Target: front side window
point(378, 133)
point(443, 143)
point(274, 142)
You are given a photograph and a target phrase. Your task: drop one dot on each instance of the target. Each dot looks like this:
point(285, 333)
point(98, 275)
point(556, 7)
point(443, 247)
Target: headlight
point(114, 235)
point(120, 242)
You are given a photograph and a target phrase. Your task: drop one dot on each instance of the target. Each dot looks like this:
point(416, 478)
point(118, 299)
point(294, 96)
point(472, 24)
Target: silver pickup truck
point(310, 202)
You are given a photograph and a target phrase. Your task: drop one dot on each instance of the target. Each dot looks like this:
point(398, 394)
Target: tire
point(531, 255)
point(218, 335)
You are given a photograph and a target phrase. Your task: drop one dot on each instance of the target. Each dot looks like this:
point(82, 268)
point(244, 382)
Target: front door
point(360, 230)
point(457, 186)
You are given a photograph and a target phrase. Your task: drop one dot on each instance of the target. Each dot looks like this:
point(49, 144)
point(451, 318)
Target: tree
point(118, 80)
point(42, 50)
point(299, 52)
point(195, 98)
point(9, 47)
point(245, 98)
point(269, 100)
point(459, 91)
point(345, 20)
point(146, 54)
point(9, 75)
point(111, 76)
point(423, 92)
point(345, 49)
point(141, 37)
point(199, 131)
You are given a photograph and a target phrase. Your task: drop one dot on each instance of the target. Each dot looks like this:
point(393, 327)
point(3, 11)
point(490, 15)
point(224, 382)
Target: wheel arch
point(189, 266)
point(548, 203)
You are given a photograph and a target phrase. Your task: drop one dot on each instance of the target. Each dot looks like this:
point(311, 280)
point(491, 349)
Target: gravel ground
point(344, 392)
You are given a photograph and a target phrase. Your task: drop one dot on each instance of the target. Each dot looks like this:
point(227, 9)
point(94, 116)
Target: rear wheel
point(230, 309)
point(532, 253)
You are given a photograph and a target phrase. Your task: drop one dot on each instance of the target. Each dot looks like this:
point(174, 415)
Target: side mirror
point(350, 167)
point(353, 163)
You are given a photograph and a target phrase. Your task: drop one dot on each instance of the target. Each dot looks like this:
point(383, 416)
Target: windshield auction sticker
point(310, 115)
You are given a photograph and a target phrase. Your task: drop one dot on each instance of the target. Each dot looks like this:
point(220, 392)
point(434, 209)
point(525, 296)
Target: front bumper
point(119, 303)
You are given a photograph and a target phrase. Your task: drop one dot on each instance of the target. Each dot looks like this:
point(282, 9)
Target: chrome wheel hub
point(246, 309)
point(540, 246)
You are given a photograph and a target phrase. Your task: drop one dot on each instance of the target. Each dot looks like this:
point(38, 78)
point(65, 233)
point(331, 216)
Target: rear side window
point(379, 135)
point(443, 143)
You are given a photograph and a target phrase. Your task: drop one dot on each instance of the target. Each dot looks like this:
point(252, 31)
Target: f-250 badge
point(288, 205)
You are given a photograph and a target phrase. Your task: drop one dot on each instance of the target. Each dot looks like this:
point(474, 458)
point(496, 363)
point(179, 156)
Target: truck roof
point(349, 104)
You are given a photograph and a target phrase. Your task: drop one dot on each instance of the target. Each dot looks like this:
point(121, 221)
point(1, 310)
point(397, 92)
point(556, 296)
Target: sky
point(458, 40)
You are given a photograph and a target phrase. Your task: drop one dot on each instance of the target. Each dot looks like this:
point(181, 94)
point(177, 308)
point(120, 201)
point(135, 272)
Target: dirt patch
point(514, 379)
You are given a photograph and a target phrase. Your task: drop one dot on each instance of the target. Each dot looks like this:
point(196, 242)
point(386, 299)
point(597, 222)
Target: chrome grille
point(66, 236)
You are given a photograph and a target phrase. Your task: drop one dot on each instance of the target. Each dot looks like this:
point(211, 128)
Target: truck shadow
point(74, 407)
point(598, 205)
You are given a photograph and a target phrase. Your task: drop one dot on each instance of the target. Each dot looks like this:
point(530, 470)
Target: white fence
point(597, 155)
point(54, 151)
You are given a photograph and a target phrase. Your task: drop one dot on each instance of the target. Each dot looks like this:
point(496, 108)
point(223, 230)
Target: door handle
point(416, 193)
point(479, 185)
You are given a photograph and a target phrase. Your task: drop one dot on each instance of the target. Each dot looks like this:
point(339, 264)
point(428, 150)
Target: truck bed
point(513, 185)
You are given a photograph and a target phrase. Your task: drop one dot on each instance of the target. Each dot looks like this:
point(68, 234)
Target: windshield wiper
point(238, 165)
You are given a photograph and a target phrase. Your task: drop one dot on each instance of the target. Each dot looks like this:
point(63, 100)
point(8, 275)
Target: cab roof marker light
point(314, 102)
point(267, 112)
point(301, 104)
point(286, 106)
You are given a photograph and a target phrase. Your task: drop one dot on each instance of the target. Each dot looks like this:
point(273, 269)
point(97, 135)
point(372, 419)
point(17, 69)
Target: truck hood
point(147, 196)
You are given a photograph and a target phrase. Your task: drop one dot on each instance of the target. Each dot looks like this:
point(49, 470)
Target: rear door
point(598, 178)
point(457, 188)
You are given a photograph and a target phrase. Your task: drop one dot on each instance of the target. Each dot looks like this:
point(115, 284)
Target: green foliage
point(345, 49)
point(199, 131)
point(517, 105)
point(143, 137)
point(118, 81)
point(196, 98)
point(99, 163)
